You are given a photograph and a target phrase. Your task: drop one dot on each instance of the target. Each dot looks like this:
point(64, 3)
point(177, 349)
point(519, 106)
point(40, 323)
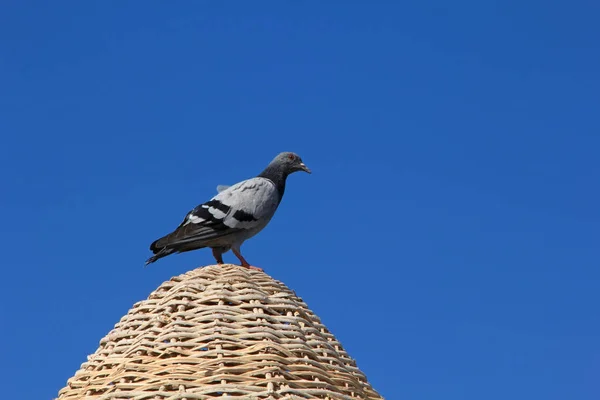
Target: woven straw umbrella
point(219, 331)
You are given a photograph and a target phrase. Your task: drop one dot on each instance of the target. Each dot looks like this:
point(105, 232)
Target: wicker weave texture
point(219, 331)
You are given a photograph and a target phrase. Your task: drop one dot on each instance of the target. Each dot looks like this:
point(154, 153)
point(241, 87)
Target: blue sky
point(448, 235)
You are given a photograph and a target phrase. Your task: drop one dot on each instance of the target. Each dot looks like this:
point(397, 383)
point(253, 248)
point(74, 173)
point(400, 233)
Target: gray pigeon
point(234, 215)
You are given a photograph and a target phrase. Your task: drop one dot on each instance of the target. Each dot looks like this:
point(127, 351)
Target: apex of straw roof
point(219, 331)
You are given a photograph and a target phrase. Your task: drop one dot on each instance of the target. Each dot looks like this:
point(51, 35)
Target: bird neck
point(277, 176)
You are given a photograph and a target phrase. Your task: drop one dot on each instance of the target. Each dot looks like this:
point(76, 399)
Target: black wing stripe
point(244, 216)
point(203, 212)
point(224, 208)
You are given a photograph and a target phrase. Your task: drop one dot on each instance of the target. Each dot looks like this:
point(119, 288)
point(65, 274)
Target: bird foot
point(252, 267)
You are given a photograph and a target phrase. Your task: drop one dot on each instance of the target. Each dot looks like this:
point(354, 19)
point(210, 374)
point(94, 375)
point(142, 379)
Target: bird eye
point(292, 157)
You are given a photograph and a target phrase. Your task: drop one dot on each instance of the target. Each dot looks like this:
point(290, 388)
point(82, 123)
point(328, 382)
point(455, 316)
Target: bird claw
point(252, 267)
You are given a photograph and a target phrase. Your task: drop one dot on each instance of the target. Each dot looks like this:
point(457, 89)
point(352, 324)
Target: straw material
point(219, 331)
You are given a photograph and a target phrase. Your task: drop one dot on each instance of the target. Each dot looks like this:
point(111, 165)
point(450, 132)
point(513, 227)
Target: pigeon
point(233, 215)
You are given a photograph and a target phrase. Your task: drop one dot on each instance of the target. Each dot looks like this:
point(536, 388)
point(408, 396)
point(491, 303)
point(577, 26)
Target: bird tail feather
point(162, 248)
point(160, 254)
point(158, 247)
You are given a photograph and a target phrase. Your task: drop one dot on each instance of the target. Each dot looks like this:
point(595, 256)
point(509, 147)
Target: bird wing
point(246, 205)
point(220, 188)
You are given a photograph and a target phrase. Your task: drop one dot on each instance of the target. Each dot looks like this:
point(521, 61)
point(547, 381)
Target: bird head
point(290, 163)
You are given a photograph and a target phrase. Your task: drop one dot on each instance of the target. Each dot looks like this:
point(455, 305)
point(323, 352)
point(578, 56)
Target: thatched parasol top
point(219, 331)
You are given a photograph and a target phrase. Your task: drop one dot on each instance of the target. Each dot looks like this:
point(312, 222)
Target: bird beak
point(304, 168)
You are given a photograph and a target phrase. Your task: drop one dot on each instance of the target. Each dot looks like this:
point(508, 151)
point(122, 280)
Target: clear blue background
point(448, 235)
